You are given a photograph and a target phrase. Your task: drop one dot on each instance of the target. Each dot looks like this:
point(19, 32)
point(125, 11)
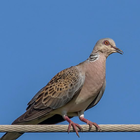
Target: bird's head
point(106, 46)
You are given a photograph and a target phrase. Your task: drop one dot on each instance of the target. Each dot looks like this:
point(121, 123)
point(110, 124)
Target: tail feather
point(11, 136)
point(14, 135)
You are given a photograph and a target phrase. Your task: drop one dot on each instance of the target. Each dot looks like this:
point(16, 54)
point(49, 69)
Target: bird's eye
point(106, 42)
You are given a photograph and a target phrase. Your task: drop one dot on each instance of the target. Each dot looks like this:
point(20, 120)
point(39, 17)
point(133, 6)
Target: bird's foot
point(90, 123)
point(74, 125)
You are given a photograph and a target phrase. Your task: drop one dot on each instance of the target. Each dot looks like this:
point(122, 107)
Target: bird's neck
point(93, 57)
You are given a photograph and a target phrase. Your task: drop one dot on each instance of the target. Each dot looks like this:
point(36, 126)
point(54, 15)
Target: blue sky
point(40, 38)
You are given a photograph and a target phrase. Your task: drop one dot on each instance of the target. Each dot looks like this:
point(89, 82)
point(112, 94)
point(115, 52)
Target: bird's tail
point(11, 136)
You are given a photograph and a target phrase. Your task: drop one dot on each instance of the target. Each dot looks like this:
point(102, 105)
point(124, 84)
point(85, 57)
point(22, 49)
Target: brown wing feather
point(59, 91)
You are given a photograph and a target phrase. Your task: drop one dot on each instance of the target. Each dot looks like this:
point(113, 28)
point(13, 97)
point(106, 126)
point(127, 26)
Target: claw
point(90, 123)
point(74, 125)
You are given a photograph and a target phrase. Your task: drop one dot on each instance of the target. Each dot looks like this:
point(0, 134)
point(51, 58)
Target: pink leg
point(74, 125)
point(90, 123)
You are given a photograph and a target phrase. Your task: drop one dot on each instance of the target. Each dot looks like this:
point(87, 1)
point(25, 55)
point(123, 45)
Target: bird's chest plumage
point(94, 80)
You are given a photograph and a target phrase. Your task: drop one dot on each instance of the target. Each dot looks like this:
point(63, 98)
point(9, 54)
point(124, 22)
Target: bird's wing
point(58, 92)
point(99, 96)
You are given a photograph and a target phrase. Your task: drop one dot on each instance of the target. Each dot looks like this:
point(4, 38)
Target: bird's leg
point(74, 125)
point(81, 117)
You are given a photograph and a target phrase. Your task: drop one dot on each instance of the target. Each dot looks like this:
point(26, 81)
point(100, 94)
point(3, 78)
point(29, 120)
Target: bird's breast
point(94, 80)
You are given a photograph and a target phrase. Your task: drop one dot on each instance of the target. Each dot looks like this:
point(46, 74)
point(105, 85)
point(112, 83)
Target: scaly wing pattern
point(58, 92)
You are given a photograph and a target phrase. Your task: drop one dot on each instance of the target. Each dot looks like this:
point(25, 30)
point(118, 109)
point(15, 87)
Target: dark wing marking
point(54, 119)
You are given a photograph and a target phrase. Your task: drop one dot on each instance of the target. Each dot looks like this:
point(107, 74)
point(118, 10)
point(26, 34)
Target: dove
point(70, 92)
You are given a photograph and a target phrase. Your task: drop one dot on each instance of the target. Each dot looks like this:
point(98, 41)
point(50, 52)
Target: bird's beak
point(118, 50)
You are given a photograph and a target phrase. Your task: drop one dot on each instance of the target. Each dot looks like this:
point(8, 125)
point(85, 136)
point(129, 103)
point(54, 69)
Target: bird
point(70, 92)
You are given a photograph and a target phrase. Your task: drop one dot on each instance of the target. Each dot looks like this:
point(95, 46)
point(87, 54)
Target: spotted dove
point(70, 93)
